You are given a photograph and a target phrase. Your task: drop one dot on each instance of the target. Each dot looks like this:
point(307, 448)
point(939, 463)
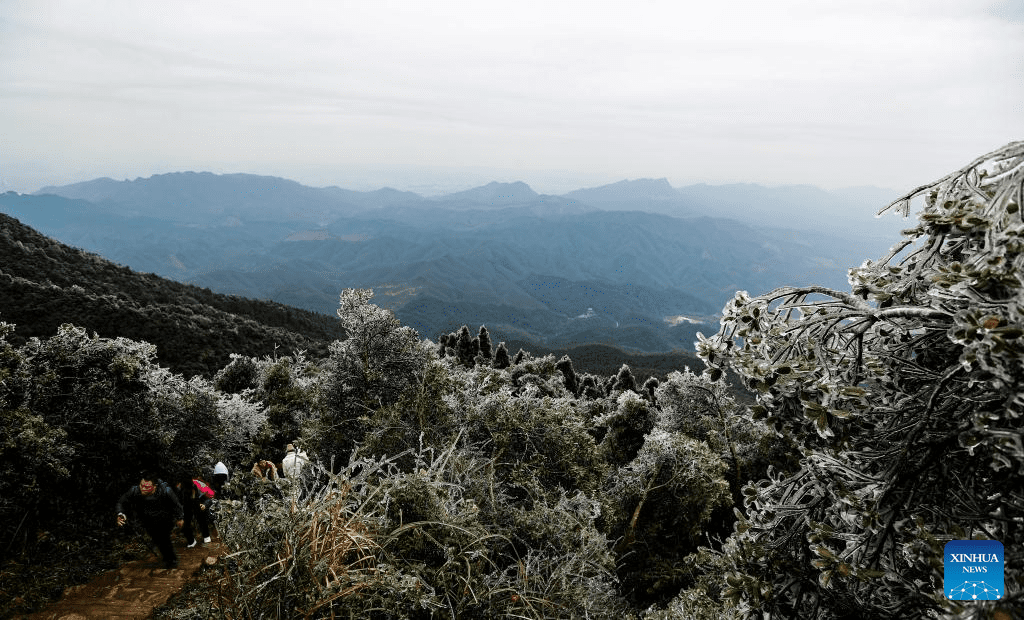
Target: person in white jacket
point(294, 462)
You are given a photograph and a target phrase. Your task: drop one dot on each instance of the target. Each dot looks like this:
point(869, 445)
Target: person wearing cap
point(157, 508)
point(220, 476)
point(294, 461)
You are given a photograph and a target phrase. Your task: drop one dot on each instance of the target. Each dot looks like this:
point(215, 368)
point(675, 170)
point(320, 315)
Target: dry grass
point(326, 545)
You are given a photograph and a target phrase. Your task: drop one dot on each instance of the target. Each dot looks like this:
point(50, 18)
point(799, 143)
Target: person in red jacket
point(157, 508)
point(197, 505)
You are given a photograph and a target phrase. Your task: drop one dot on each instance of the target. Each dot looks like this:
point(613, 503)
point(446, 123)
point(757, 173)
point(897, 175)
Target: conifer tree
point(590, 388)
point(467, 346)
point(564, 366)
point(501, 360)
point(485, 343)
point(649, 389)
point(625, 380)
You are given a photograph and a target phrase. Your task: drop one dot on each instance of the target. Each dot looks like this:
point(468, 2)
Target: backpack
point(205, 490)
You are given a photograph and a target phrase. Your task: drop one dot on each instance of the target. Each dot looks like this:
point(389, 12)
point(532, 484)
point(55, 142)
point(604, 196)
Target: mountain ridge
point(683, 200)
point(634, 264)
point(45, 283)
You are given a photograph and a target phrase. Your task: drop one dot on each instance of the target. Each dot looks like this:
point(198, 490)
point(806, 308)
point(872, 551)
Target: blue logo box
point(973, 570)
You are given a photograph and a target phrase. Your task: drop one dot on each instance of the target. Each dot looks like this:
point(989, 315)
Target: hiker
point(220, 476)
point(294, 461)
point(157, 507)
point(197, 501)
point(264, 470)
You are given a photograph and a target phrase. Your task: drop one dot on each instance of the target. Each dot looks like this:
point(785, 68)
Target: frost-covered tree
point(590, 388)
point(34, 455)
point(501, 360)
point(81, 415)
point(241, 373)
point(466, 346)
point(379, 355)
point(485, 342)
point(649, 389)
point(286, 405)
point(370, 369)
point(625, 427)
point(625, 380)
point(906, 395)
point(659, 505)
point(564, 366)
point(241, 422)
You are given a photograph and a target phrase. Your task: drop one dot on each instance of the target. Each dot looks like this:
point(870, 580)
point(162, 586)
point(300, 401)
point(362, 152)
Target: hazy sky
point(561, 95)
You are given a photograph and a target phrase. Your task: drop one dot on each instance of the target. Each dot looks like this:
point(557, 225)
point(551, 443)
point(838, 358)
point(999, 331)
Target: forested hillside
point(458, 479)
point(44, 283)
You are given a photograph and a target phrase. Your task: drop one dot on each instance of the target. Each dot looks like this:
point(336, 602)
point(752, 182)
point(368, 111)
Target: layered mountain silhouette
point(637, 264)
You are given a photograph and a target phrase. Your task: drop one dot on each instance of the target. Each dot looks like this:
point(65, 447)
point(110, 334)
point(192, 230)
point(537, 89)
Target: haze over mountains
point(638, 264)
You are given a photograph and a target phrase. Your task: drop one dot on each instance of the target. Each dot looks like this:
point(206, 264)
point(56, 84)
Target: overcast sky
point(561, 95)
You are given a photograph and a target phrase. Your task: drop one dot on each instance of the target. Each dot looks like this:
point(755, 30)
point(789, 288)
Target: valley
point(614, 265)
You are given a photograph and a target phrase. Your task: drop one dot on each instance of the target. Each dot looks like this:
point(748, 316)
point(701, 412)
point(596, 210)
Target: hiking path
point(132, 591)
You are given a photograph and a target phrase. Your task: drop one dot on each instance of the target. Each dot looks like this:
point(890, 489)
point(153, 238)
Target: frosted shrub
point(537, 444)
point(659, 505)
point(906, 395)
point(702, 409)
point(241, 373)
point(241, 420)
point(624, 428)
point(379, 541)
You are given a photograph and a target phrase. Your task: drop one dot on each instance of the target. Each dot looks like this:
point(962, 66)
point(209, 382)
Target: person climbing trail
point(157, 507)
point(197, 500)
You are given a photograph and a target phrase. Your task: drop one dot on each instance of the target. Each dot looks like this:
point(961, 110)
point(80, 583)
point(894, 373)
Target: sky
point(445, 95)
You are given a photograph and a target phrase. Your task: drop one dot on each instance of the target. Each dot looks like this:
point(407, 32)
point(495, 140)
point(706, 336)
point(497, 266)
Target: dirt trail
point(130, 592)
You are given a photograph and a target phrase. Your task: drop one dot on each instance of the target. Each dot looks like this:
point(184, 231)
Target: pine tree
point(467, 347)
point(590, 388)
point(625, 380)
point(485, 343)
point(501, 360)
point(564, 366)
point(649, 389)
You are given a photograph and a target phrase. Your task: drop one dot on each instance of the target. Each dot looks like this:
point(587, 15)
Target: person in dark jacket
point(157, 508)
point(197, 506)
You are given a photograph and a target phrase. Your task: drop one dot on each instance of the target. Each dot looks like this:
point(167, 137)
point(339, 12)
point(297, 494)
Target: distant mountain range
point(637, 264)
point(204, 197)
point(44, 283)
